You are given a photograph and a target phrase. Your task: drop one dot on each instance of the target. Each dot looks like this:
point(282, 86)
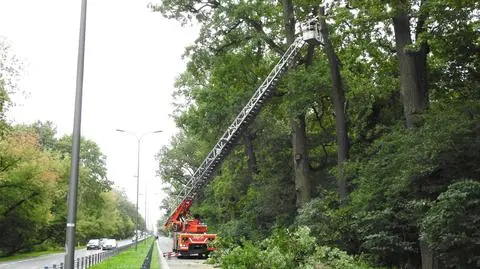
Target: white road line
point(26, 260)
point(163, 262)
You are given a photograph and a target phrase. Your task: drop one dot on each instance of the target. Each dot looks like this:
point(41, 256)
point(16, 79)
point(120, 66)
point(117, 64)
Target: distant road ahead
point(51, 259)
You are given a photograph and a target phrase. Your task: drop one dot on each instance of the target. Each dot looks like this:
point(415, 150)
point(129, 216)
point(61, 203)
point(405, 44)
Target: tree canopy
point(385, 111)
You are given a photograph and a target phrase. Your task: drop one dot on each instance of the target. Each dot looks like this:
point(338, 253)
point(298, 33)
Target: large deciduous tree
point(28, 181)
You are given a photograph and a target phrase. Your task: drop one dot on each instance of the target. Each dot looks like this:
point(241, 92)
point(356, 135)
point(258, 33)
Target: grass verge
point(22, 256)
point(155, 263)
point(34, 254)
point(128, 259)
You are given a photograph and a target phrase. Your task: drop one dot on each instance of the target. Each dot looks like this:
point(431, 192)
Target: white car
point(109, 244)
point(94, 244)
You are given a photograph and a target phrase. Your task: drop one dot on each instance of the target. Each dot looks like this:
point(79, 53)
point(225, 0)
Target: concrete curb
point(161, 259)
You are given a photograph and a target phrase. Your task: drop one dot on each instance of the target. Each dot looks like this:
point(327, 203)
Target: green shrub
point(452, 225)
point(286, 249)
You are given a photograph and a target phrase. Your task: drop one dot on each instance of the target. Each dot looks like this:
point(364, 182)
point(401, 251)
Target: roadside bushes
point(286, 249)
point(452, 225)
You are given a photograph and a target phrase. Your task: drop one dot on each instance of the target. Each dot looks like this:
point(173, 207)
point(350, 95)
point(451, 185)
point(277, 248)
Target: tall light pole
point(139, 140)
point(77, 123)
point(146, 229)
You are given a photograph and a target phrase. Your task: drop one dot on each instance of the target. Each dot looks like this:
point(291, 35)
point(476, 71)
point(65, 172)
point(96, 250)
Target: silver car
point(93, 244)
point(109, 244)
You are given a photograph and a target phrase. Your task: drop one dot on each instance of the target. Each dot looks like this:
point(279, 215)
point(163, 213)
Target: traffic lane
point(166, 243)
point(51, 259)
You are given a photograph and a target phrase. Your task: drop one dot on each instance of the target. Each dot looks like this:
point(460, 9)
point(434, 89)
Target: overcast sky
point(132, 58)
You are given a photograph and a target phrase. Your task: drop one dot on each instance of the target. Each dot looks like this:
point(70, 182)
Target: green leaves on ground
point(286, 249)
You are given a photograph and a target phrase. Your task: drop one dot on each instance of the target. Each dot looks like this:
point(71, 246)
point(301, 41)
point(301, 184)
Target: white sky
point(131, 60)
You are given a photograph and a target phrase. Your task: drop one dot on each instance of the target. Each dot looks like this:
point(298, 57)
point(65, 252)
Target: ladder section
point(205, 172)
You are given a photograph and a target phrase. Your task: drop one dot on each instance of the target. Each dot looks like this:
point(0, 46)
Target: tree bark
point(251, 160)
point(299, 134)
point(412, 64)
point(338, 97)
point(412, 68)
point(303, 186)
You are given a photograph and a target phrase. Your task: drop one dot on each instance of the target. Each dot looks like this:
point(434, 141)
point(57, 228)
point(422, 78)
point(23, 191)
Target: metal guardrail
point(90, 260)
point(148, 259)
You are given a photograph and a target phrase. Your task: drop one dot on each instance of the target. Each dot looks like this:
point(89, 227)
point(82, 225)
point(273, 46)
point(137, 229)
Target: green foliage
point(451, 225)
point(394, 175)
point(28, 178)
point(286, 249)
point(34, 172)
point(405, 172)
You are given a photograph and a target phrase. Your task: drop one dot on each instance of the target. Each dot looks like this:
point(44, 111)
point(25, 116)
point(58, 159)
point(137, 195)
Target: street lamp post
point(77, 123)
point(146, 208)
point(139, 140)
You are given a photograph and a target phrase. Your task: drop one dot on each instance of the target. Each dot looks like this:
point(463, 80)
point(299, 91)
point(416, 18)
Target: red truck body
point(190, 237)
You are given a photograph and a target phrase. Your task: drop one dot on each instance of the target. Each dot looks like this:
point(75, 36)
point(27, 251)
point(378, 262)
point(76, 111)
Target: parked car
point(102, 240)
point(109, 244)
point(94, 244)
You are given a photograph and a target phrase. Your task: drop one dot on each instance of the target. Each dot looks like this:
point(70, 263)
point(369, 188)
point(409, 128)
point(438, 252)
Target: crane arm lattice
point(205, 172)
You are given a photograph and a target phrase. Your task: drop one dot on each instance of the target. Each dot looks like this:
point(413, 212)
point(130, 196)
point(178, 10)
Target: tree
point(389, 61)
point(28, 179)
point(405, 173)
point(10, 70)
point(45, 131)
point(450, 226)
point(339, 102)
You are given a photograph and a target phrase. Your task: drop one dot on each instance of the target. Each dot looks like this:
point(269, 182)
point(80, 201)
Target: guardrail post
point(81, 267)
point(61, 265)
point(89, 260)
point(54, 266)
point(78, 263)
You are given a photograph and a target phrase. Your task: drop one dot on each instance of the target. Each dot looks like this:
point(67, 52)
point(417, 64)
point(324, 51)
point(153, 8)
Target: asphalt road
point(51, 259)
point(165, 245)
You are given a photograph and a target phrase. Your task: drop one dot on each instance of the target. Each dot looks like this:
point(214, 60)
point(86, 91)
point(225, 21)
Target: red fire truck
point(190, 236)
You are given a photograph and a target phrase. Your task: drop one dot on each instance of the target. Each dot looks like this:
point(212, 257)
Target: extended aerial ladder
point(204, 173)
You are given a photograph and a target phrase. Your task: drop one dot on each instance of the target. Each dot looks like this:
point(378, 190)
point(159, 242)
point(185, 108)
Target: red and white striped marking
point(170, 254)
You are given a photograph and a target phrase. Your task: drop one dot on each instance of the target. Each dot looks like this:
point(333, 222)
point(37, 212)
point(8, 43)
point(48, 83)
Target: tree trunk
point(427, 256)
point(300, 161)
point(338, 97)
point(289, 21)
point(299, 134)
point(412, 68)
point(412, 65)
point(251, 160)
